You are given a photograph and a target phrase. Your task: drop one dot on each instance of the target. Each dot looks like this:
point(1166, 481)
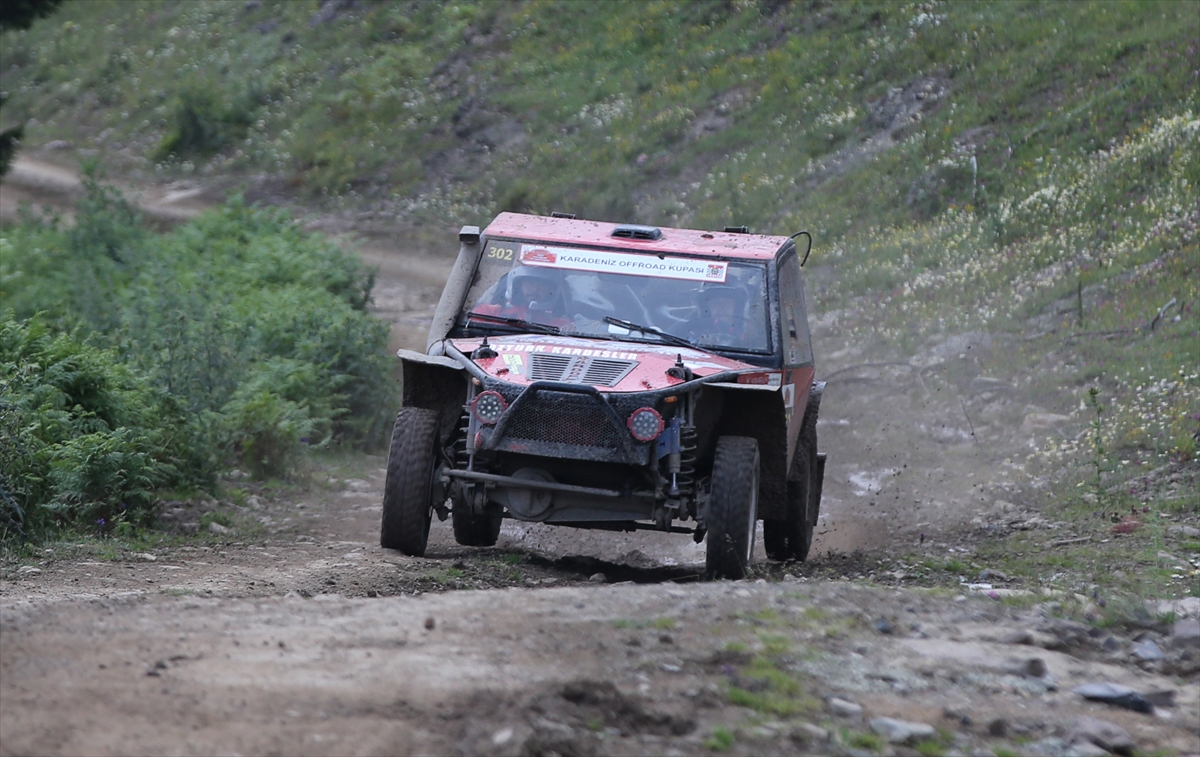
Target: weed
point(512, 558)
point(864, 740)
point(720, 740)
point(665, 624)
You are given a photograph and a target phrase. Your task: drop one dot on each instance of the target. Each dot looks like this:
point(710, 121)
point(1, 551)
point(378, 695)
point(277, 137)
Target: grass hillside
point(1026, 170)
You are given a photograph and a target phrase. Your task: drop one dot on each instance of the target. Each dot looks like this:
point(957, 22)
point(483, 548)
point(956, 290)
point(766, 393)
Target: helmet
point(532, 288)
point(716, 292)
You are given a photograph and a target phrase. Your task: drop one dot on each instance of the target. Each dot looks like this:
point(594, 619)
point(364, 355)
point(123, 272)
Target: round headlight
point(488, 407)
point(645, 424)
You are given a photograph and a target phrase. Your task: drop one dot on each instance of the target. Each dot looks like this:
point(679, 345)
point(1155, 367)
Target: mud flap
point(818, 480)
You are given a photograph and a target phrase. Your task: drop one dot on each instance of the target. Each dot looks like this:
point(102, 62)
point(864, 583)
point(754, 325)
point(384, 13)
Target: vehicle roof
point(569, 231)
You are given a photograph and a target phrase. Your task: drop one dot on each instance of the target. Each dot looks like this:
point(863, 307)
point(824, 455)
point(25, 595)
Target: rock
point(1103, 734)
point(806, 732)
point(1114, 694)
point(144, 556)
point(1111, 645)
point(1018, 637)
point(598, 578)
point(430, 623)
point(901, 731)
point(1177, 562)
point(987, 574)
point(1033, 667)
point(218, 529)
point(57, 144)
point(1147, 650)
point(1185, 633)
point(28, 570)
point(1035, 422)
point(845, 709)
point(1160, 697)
point(666, 638)
point(1188, 531)
point(883, 626)
point(997, 727)
point(1085, 749)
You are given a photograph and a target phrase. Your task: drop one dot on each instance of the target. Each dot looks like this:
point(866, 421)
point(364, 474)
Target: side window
point(797, 343)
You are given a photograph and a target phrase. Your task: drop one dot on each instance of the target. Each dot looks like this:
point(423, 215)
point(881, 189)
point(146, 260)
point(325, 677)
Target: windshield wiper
point(678, 341)
point(517, 323)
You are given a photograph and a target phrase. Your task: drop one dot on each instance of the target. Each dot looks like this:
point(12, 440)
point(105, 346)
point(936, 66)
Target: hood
point(608, 365)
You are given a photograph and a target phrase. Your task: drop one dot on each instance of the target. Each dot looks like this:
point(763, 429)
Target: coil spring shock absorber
point(686, 480)
point(462, 459)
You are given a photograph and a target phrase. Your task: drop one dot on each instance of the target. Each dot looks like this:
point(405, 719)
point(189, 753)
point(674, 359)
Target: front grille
point(577, 369)
point(563, 418)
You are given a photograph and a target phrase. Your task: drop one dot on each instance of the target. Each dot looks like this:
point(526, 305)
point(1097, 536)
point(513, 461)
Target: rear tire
point(408, 491)
point(732, 508)
point(790, 538)
point(471, 530)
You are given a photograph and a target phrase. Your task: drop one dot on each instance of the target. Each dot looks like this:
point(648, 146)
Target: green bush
point(86, 438)
point(133, 361)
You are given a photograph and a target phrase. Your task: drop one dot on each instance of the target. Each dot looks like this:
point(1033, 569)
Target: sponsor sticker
point(630, 264)
point(789, 396)
point(513, 361)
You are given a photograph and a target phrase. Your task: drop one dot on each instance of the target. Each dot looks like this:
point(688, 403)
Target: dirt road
point(291, 632)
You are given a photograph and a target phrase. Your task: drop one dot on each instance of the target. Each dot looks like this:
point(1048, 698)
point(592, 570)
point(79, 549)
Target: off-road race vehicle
point(613, 376)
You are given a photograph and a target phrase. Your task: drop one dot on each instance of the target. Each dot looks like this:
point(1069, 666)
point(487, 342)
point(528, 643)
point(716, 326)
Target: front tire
point(732, 508)
point(471, 530)
point(408, 491)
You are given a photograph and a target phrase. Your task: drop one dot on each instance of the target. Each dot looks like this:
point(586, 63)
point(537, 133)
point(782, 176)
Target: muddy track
point(292, 632)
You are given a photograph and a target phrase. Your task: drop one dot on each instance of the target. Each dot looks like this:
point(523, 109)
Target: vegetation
point(130, 362)
point(1023, 169)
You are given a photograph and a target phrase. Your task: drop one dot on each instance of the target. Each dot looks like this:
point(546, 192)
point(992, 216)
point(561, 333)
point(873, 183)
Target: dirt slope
point(294, 633)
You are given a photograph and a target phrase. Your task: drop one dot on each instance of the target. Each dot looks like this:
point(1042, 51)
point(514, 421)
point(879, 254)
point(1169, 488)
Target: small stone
point(502, 737)
point(668, 668)
point(1023, 636)
point(28, 570)
point(144, 556)
point(952, 714)
point(218, 529)
point(430, 623)
point(845, 709)
point(1111, 645)
point(997, 727)
point(987, 574)
point(883, 626)
point(598, 578)
point(1188, 531)
point(901, 731)
point(1103, 734)
point(1147, 650)
point(666, 638)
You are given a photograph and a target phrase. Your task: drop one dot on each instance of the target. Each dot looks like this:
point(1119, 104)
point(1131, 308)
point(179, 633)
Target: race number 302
point(500, 252)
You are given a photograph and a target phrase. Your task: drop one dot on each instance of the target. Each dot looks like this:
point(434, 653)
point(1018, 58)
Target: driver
point(721, 320)
point(531, 294)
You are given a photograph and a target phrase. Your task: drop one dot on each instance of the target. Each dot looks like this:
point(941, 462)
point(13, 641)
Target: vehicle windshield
point(619, 295)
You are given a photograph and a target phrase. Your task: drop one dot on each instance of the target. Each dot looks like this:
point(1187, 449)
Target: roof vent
point(568, 216)
point(633, 231)
point(737, 229)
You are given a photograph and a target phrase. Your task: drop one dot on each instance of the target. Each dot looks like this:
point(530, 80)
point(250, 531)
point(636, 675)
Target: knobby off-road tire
point(407, 493)
point(791, 538)
point(732, 508)
point(472, 530)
